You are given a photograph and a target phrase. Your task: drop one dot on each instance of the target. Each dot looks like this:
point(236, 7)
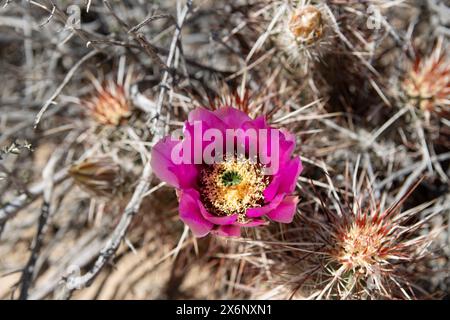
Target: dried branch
point(70, 284)
point(62, 85)
point(18, 203)
point(28, 272)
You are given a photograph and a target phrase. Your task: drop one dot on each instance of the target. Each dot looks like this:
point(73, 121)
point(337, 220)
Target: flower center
point(231, 178)
point(233, 186)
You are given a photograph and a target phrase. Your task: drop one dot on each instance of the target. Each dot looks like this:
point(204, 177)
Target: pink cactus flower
point(222, 183)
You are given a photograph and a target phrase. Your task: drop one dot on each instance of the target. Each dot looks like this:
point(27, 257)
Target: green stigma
point(231, 178)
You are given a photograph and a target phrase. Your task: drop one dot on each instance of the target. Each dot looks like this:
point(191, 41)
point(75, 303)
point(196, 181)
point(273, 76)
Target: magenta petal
point(287, 147)
point(253, 223)
point(272, 189)
point(228, 231)
point(191, 215)
point(208, 118)
point(214, 219)
point(258, 123)
point(187, 175)
point(285, 211)
point(182, 176)
point(287, 135)
point(161, 161)
point(285, 181)
point(290, 175)
point(258, 212)
point(233, 117)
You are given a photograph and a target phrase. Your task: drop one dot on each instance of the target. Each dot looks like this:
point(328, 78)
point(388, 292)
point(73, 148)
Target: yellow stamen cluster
point(306, 24)
point(233, 186)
